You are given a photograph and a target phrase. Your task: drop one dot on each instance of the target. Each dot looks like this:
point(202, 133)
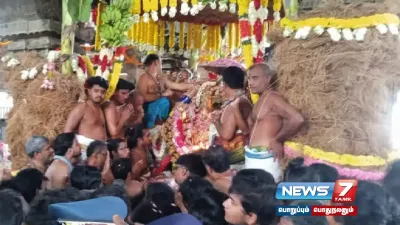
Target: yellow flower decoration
point(113, 80)
point(342, 159)
point(171, 40)
point(353, 23)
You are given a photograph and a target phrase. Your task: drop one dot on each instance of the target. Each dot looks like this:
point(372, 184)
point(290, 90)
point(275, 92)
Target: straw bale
point(37, 111)
point(345, 90)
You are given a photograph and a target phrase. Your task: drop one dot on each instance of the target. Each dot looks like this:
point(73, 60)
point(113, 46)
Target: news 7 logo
point(340, 191)
point(345, 191)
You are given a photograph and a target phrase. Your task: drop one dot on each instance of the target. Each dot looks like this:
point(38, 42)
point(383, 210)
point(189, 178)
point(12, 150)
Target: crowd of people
point(105, 150)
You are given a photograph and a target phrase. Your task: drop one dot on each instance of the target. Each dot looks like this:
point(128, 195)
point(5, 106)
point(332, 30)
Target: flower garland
point(231, 37)
point(163, 5)
point(343, 171)
point(232, 6)
point(201, 90)
point(161, 42)
point(181, 38)
point(158, 150)
point(172, 8)
point(113, 80)
point(197, 36)
point(189, 39)
point(257, 15)
point(349, 29)
point(245, 31)
point(223, 5)
point(277, 10)
point(195, 7)
point(136, 10)
point(154, 10)
point(185, 9)
point(171, 39)
point(179, 135)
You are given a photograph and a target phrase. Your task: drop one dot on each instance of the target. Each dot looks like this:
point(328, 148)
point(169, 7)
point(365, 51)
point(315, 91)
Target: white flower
point(185, 9)
point(106, 74)
point(305, 32)
point(335, 34)
point(254, 45)
point(24, 74)
point(360, 33)
point(277, 16)
point(98, 71)
point(394, 29)
point(186, 54)
point(44, 71)
point(382, 28)
point(74, 64)
point(222, 6)
point(53, 56)
point(232, 8)
point(263, 13)
point(6, 58)
point(13, 62)
point(32, 73)
point(194, 10)
point(172, 12)
point(154, 15)
point(251, 6)
point(213, 5)
point(164, 11)
point(298, 34)
point(180, 52)
point(172, 50)
point(252, 18)
point(287, 32)
point(121, 57)
point(146, 17)
point(161, 52)
point(348, 34)
point(81, 75)
point(201, 6)
point(319, 30)
point(136, 18)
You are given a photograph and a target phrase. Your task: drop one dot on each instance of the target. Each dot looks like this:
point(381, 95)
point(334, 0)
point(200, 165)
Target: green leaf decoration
point(79, 10)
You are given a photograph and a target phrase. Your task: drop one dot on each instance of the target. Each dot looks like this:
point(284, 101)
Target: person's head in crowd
point(203, 201)
point(112, 190)
point(233, 78)
point(67, 146)
point(261, 78)
point(136, 100)
point(216, 160)
point(153, 64)
point(375, 206)
point(27, 182)
point(11, 208)
point(159, 202)
point(39, 214)
point(296, 171)
point(118, 148)
point(252, 198)
point(325, 172)
point(96, 88)
point(121, 169)
point(39, 150)
point(137, 137)
point(189, 164)
point(185, 75)
point(391, 182)
point(97, 154)
point(85, 178)
point(122, 90)
point(304, 220)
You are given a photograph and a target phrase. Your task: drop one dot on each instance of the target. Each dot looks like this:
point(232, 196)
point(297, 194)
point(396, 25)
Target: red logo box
point(344, 191)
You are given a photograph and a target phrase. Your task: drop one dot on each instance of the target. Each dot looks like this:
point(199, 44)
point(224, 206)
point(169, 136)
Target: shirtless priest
point(272, 122)
point(116, 115)
point(87, 119)
point(155, 90)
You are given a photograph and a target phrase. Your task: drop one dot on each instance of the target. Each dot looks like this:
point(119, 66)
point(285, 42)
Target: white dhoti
point(262, 158)
point(84, 142)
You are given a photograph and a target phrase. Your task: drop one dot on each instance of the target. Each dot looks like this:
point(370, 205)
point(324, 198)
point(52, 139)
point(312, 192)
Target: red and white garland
point(257, 15)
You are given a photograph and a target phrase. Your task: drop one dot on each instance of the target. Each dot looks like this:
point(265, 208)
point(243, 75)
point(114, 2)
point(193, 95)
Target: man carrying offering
point(116, 114)
point(272, 122)
point(87, 119)
point(156, 90)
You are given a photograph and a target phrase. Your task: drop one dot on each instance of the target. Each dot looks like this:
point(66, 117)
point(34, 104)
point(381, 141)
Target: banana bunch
point(116, 22)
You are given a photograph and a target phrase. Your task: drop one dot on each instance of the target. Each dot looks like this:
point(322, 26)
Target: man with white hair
point(40, 153)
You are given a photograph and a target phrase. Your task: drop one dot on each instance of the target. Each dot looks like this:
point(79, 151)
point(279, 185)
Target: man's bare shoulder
point(108, 105)
point(143, 78)
point(56, 167)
